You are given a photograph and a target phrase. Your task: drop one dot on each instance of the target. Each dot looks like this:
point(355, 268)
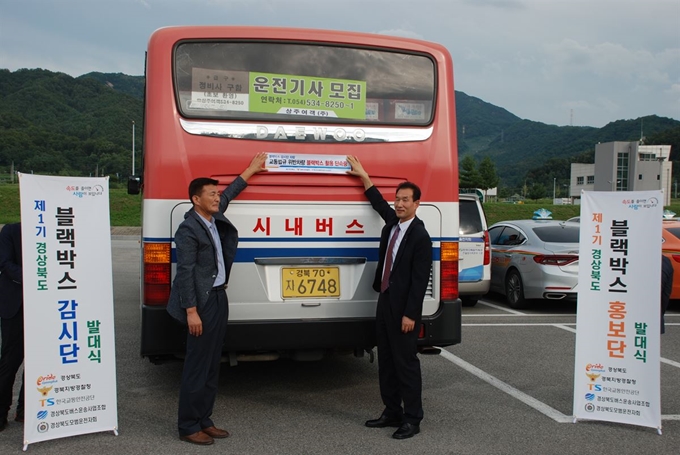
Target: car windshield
point(675, 231)
point(558, 234)
point(470, 219)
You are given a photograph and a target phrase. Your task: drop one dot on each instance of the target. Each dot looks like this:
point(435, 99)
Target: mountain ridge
point(52, 121)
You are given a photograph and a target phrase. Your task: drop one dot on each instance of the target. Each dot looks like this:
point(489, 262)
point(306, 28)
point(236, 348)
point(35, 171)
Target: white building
point(624, 166)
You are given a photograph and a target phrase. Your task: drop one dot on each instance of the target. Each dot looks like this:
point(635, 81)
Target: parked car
point(474, 258)
point(534, 259)
point(671, 248)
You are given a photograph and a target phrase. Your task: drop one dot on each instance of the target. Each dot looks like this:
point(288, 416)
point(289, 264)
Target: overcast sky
point(580, 62)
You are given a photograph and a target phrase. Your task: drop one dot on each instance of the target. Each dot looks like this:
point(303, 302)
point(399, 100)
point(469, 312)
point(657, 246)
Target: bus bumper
point(444, 327)
point(163, 338)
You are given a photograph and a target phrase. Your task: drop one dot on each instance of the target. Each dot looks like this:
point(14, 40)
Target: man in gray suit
point(206, 246)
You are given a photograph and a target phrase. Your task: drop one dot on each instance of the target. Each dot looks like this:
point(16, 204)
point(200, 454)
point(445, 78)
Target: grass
point(126, 209)
point(501, 211)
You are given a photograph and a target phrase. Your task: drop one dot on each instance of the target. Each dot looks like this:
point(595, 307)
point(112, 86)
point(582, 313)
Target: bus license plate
point(299, 282)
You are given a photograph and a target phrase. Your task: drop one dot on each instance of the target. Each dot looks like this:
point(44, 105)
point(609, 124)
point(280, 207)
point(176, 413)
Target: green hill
point(54, 123)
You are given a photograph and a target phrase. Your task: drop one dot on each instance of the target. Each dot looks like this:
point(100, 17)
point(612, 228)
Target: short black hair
point(412, 186)
point(196, 186)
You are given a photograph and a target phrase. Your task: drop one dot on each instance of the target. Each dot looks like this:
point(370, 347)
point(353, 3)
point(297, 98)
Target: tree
point(469, 176)
point(537, 191)
point(488, 176)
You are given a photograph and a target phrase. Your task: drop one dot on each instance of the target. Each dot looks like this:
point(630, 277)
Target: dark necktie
point(385, 283)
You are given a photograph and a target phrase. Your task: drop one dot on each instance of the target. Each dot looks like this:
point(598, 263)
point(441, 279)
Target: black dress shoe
point(406, 430)
point(383, 421)
point(3, 423)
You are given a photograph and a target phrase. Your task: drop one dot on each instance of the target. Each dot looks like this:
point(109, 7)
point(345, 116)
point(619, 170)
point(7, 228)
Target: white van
point(474, 266)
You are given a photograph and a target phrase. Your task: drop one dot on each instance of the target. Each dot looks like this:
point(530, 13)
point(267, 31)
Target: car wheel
point(514, 290)
point(469, 301)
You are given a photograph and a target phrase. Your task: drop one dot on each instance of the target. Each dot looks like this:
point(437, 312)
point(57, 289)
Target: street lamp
point(133, 147)
point(554, 184)
point(661, 159)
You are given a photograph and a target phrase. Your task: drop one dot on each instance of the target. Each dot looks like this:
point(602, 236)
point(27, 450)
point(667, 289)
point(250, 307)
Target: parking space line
point(521, 396)
point(670, 362)
point(498, 307)
point(535, 315)
point(510, 390)
point(565, 327)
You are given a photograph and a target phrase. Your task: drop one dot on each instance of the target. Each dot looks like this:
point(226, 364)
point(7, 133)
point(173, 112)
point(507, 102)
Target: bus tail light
point(157, 271)
point(487, 249)
point(449, 270)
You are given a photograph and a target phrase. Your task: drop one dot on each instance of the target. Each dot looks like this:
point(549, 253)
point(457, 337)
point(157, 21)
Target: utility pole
point(554, 185)
point(133, 147)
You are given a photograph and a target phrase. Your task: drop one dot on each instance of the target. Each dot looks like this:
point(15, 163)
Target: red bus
point(215, 96)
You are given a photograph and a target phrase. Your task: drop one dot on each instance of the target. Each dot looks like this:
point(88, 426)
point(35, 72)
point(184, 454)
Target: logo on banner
point(595, 368)
point(44, 390)
point(48, 379)
point(80, 191)
point(589, 407)
point(43, 427)
point(636, 204)
point(42, 415)
point(590, 396)
point(593, 376)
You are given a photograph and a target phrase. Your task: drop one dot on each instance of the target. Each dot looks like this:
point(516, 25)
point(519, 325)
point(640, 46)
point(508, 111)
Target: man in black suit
point(11, 319)
point(401, 278)
point(206, 246)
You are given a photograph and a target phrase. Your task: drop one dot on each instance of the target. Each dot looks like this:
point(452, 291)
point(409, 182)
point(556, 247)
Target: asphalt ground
point(507, 389)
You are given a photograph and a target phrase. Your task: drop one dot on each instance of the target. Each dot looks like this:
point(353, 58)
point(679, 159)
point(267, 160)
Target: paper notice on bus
point(319, 164)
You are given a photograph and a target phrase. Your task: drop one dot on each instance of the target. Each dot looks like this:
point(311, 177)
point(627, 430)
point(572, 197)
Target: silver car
point(534, 259)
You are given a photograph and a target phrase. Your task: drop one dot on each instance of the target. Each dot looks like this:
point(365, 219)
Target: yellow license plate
point(302, 282)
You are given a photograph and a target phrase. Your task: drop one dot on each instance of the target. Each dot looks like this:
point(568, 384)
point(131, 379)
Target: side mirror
point(134, 184)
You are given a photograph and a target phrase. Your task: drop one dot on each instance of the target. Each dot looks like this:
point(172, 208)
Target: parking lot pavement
point(507, 389)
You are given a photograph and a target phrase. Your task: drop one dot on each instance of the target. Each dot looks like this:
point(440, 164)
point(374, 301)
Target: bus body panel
point(296, 207)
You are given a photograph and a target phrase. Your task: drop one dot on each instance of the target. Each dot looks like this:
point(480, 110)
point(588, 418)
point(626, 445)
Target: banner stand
point(69, 343)
point(618, 319)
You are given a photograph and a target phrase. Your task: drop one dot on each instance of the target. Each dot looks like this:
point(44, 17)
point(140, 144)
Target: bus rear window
point(303, 82)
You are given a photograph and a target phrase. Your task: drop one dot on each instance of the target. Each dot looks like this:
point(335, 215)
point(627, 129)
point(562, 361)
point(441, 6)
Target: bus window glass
point(292, 82)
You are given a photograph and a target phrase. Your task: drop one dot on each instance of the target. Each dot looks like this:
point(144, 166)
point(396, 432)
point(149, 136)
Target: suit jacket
point(11, 290)
point(412, 264)
point(197, 256)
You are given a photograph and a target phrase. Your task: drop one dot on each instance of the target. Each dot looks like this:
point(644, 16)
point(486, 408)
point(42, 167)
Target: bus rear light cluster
point(449, 270)
point(157, 273)
point(487, 249)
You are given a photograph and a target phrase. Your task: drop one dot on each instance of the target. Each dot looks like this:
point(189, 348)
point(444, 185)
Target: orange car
point(671, 248)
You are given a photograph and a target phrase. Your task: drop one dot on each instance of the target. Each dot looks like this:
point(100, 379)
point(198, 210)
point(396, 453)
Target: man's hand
point(255, 166)
point(358, 171)
point(407, 324)
point(194, 322)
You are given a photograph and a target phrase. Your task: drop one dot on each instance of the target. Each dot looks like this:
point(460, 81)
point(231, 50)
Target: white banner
point(616, 371)
point(318, 164)
point(69, 362)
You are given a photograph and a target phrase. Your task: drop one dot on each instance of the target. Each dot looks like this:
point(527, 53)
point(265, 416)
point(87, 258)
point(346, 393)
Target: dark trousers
point(201, 372)
point(11, 358)
point(398, 365)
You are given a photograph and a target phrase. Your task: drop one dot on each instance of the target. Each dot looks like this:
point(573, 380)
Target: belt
point(221, 287)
